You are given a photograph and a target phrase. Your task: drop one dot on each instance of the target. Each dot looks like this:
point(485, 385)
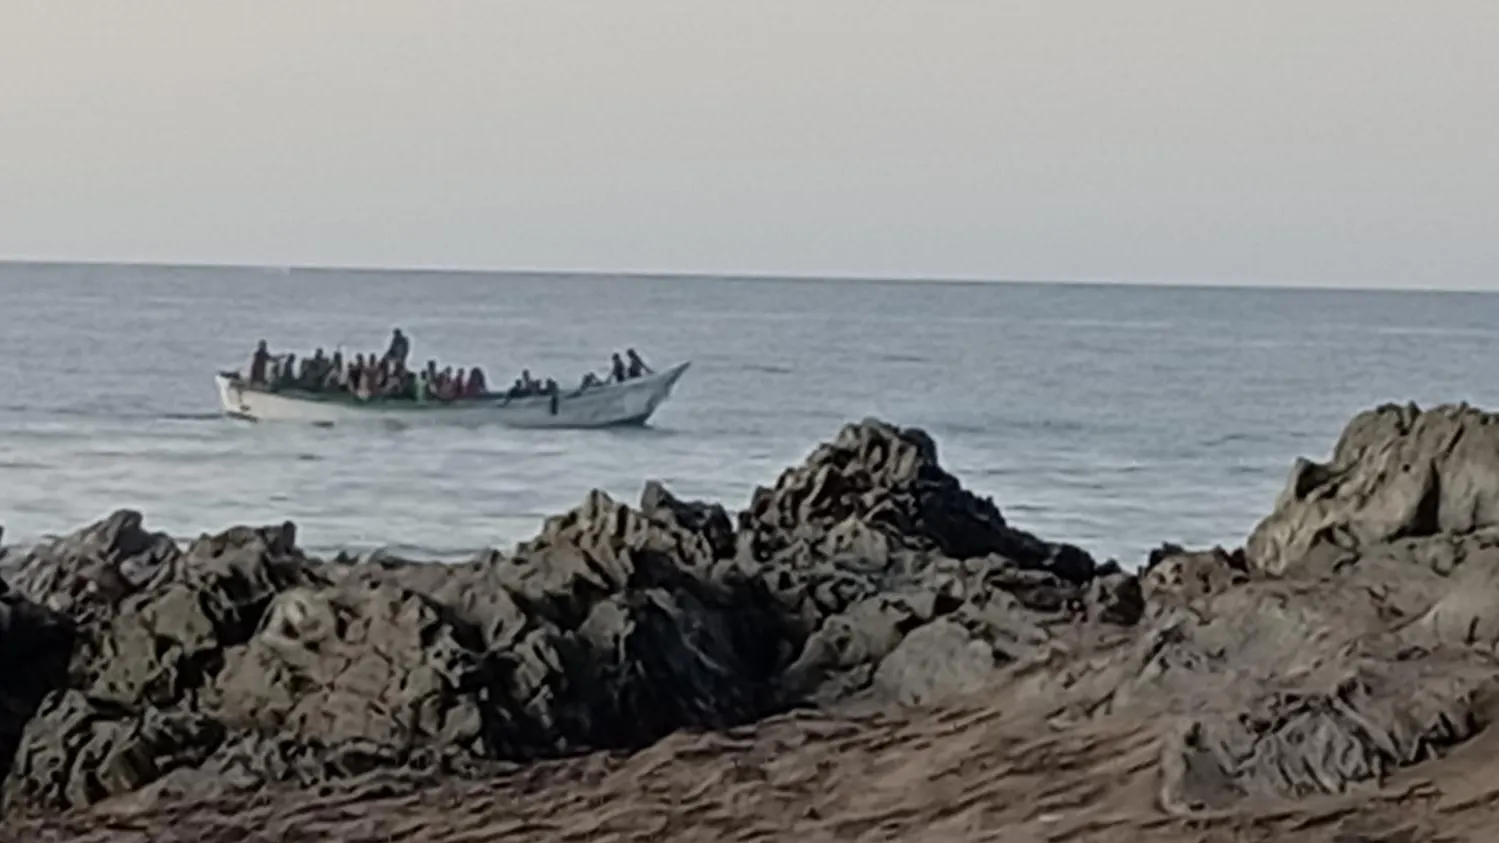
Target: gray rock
point(77, 751)
point(377, 664)
point(938, 660)
point(1396, 472)
point(868, 572)
point(86, 574)
point(36, 645)
point(166, 641)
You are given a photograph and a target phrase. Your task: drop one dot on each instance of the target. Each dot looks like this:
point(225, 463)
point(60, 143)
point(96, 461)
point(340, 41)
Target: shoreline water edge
point(867, 650)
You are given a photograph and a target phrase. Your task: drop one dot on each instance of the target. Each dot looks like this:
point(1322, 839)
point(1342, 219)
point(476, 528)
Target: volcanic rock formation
point(868, 649)
point(868, 572)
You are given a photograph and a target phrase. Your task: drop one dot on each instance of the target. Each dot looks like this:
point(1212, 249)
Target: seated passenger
point(617, 369)
point(477, 388)
point(460, 384)
point(259, 363)
point(355, 376)
point(317, 368)
point(375, 382)
point(637, 366)
point(287, 376)
point(590, 380)
point(335, 379)
point(395, 380)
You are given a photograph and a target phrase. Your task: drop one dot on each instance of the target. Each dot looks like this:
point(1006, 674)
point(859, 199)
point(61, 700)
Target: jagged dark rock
point(36, 645)
point(79, 750)
point(1396, 472)
point(240, 656)
point(1353, 636)
point(85, 574)
point(870, 539)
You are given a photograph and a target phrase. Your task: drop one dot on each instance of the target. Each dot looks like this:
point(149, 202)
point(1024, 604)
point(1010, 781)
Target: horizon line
point(682, 275)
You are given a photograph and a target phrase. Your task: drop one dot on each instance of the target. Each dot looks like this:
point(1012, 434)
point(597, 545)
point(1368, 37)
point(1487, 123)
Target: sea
point(1115, 417)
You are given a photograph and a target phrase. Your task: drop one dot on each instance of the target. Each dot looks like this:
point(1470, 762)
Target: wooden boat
point(630, 402)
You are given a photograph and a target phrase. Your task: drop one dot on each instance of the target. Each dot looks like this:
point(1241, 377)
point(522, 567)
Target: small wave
point(412, 552)
point(766, 368)
point(1242, 469)
point(642, 431)
point(1001, 426)
point(1232, 439)
point(1432, 331)
point(190, 416)
point(1117, 324)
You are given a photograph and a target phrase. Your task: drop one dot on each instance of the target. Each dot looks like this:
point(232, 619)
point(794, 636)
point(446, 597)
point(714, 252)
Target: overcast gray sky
point(1286, 141)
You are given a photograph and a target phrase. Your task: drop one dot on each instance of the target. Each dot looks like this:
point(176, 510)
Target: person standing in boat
point(260, 362)
point(400, 347)
point(617, 372)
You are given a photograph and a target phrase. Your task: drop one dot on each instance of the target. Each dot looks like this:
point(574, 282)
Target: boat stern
point(231, 398)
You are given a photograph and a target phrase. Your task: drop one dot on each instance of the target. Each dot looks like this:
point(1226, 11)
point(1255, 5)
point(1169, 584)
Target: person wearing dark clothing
point(259, 363)
point(550, 390)
point(356, 373)
point(617, 372)
point(637, 366)
point(336, 377)
point(400, 347)
point(287, 377)
point(317, 370)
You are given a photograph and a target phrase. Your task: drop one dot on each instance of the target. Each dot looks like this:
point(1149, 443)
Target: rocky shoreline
point(867, 650)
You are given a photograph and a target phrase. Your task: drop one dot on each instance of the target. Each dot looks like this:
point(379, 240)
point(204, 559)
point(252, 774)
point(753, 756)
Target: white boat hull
point(609, 405)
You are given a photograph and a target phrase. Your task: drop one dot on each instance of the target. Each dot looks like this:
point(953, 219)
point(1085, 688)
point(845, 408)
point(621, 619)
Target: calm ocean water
point(1114, 417)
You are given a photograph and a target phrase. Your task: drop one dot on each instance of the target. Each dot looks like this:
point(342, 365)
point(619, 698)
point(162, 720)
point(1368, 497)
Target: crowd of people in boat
point(387, 375)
